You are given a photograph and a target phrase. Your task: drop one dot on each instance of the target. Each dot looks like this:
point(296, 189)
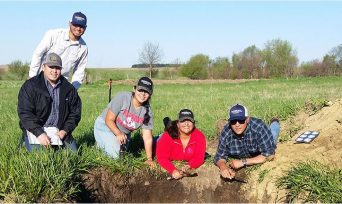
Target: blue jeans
point(69, 143)
point(275, 129)
point(106, 140)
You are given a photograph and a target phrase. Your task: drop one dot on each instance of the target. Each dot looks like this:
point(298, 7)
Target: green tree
point(237, 66)
point(330, 64)
point(19, 69)
point(280, 58)
point(248, 62)
point(196, 67)
point(252, 60)
point(337, 53)
point(220, 68)
point(312, 69)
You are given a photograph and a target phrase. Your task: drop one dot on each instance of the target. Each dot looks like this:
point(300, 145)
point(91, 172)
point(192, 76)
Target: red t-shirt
point(169, 149)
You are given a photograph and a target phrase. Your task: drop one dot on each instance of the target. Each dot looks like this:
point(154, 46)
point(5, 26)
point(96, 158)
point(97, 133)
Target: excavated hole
point(102, 186)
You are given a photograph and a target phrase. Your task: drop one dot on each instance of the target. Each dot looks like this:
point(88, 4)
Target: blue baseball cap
point(79, 19)
point(238, 112)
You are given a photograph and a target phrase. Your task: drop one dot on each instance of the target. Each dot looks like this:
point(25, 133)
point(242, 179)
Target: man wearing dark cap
point(246, 141)
point(49, 108)
point(69, 45)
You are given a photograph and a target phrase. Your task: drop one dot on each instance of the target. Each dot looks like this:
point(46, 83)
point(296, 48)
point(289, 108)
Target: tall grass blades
point(312, 182)
point(41, 176)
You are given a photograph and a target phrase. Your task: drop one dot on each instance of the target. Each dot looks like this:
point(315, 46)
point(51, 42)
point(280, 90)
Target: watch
point(244, 161)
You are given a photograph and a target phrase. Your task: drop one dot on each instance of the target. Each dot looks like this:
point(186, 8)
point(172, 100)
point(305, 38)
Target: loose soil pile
point(326, 148)
point(208, 187)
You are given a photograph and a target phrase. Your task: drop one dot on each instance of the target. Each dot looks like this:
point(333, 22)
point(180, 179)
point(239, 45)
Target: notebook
point(50, 131)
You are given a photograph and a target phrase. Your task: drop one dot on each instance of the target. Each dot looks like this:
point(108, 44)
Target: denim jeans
point(106, 140)
point(275, 129)
point(69, 143)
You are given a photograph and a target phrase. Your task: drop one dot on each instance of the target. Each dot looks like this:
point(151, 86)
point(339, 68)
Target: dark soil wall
point(102, 186)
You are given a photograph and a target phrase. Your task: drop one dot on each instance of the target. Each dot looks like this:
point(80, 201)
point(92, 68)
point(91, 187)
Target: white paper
point(50, 132)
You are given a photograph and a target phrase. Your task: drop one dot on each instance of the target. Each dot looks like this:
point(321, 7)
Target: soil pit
point(103, 186)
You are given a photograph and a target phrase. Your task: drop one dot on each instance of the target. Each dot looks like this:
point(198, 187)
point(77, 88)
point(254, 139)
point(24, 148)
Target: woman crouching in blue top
point(126, 112)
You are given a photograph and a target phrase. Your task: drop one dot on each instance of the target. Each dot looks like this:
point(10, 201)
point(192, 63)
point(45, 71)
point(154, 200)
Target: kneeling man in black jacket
point(49, 108)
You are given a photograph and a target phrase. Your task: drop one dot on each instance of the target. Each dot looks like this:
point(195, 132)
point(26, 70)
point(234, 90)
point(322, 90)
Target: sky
point(118, 30)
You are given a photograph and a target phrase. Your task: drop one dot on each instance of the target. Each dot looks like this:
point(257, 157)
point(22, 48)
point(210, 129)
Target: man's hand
point(227, 173)
point(61, 134)
point(236, 164)
point(44, 139)
point(177, 174)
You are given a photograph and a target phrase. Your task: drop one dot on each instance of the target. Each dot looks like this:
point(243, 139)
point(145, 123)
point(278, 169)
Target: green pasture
point(24, 178)
point(101, 75)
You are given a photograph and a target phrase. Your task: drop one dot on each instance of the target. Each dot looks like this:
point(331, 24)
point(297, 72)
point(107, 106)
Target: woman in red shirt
point(181, 141)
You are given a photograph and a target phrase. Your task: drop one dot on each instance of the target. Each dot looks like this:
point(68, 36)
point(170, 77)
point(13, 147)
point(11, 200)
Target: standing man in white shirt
point(69, 45)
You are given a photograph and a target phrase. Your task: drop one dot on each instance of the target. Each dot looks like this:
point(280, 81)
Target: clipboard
point(50, 132)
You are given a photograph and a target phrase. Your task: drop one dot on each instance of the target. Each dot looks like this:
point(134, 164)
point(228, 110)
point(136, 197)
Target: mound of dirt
point(326, 148)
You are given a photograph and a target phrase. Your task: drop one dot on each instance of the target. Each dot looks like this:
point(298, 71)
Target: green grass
point(95, 75)
point(101, 75)
point(312, 182)
point(209, 102)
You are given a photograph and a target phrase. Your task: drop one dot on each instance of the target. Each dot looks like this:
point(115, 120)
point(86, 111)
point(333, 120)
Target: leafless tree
point(151, 54)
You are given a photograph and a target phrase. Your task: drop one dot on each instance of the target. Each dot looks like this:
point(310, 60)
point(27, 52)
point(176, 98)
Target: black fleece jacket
point(34, 106)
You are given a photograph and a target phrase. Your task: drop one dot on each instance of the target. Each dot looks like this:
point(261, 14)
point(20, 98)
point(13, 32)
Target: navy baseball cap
point(238, 112)
point(79, 19)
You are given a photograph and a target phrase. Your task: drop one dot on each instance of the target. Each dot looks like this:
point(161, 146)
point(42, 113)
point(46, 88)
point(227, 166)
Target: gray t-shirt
point(128, 117)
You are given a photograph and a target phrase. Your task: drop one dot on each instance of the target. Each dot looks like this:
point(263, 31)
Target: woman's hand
point(150, 163)
point(177, 174)
point(185, 168)
point(122, 138)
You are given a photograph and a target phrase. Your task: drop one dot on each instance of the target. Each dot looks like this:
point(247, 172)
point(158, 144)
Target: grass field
point(19, 171)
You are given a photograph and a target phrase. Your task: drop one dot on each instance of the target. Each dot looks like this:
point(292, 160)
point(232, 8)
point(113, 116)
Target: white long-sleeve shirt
point(74, 54)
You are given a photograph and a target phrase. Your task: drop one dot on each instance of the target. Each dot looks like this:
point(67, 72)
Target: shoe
point(274, 120)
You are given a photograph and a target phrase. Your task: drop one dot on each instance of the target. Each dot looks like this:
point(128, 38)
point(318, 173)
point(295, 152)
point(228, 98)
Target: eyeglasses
point(241, 122)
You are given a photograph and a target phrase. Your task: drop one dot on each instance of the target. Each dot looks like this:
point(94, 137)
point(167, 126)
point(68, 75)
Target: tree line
point(277, 59)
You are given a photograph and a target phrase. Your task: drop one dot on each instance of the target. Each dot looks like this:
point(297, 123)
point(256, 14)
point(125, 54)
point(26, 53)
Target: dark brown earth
point(102, 186)
point(141, 187)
